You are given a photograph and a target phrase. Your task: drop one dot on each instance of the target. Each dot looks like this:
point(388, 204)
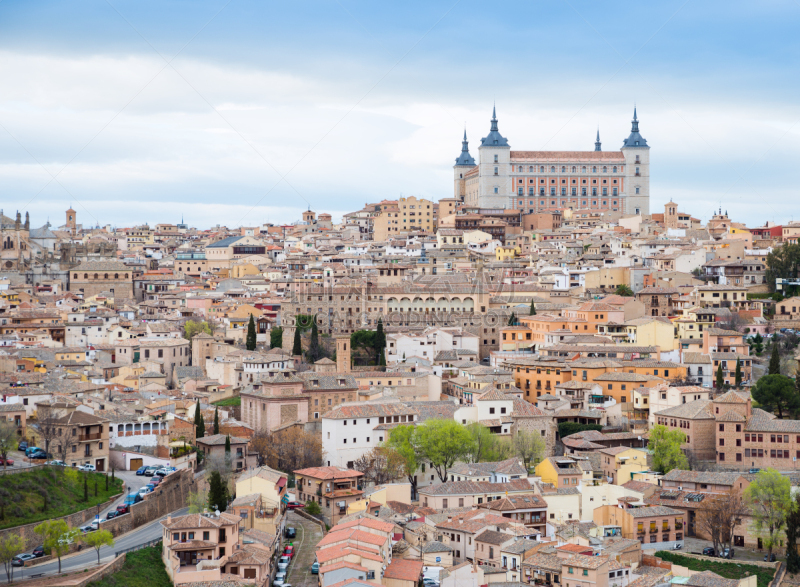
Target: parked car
point(87, 468)
point(293, 505)
point(21, 559)
point(151, 470)
point(57, 463)
point(151, 487)
point(283, 563)
point(770, 557)
point(144, 490)
point(6, 462)
point(726, 553)
point(163, 472)
point(155, 480)
point(280, 576)
point(40, 454)
point(290, 532)
point(677, 546)
point(315, 568)
point(89, 528)
point(112, 514)
point(279, 582)
point(709, 551)
point(140, 471)
point(754, 471)
point(132, 498)
point(289, 551)
point(23, 445)
point(38, 551)
point(123, 508)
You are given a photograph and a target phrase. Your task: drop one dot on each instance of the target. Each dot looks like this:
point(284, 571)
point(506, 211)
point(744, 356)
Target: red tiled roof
point(404, 570)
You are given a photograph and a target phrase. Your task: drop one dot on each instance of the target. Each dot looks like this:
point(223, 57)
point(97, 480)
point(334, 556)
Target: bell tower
point(72, 221)
point(343, 354)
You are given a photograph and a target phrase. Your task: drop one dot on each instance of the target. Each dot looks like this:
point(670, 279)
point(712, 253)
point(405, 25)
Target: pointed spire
point(465, 158)
point(494, 118)
point(597, 143)
point(635, 121)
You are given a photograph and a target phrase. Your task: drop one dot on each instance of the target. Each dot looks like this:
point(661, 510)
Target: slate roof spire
point(635, 139)
point(494, 138)
point(597, 143)
point(465, 158)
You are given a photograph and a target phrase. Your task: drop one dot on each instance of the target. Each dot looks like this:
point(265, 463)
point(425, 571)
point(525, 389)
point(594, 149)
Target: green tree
point(529, 445)
point(251, 340)
point(720, 379)
point(443, 443)
point(623, 290)
point(8, 439)
point(512, 320)
point(738, 373)
point(769, 496)
point(216, 420)
point(774, 361)
point(195, 327)
point(481, 442)
point(197, 501)
point(382, 360)
point(533, 309)
point(228, 446)
point(401, 439)
point(783, 262)
point(10, 546)
point(314, 353)
point(776, 392)
point(217, 492)
point(665, 446)
point(276, 337)
point(98, 539)
point(757, 344)
point(312, 507)
point(792, 535)
point(297, 347)
point(56, 538)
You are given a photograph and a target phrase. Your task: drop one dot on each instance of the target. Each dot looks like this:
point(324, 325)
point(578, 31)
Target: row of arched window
point(532, 168)
point(97, 275)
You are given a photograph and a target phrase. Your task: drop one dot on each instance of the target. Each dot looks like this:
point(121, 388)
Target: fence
point(138, 546)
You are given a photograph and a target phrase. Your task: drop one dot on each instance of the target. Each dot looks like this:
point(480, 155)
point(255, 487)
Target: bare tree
point(8, 438)
point(380, 465)
point(718, 516)
point(288, 450)
point(47, 419)
point(529, 446)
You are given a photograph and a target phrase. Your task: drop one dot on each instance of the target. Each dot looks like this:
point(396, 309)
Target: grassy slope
point(231, 401)
point(24, 500)
point(729, 570)
point(142, 568)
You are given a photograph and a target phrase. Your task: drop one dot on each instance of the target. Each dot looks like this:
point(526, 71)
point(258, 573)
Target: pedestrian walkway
point(308, 536)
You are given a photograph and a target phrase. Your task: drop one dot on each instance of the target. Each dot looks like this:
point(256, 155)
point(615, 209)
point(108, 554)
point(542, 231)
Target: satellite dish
point(216, 513)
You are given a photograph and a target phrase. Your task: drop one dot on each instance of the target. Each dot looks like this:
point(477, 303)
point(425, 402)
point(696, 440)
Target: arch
point(430, 304)
point(392, 304)
point(443, 304)
point(95, 275)
point(469, 304)
point(583, 169)
point(563, 169)
point(552, 169)
point(574, 168)
point(594, 168)
point(116, 276)
point(614, 169)
point(126, 276)
point(105, 275)
point(541, 169)
point(405, 305)
point(605, 169)
point(86, 276)
point(146, 428)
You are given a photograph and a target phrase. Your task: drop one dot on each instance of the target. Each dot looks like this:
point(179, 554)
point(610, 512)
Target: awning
point(285, 498)
point(282, 482)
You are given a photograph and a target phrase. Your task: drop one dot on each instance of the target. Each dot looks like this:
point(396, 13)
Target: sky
point(237, 112)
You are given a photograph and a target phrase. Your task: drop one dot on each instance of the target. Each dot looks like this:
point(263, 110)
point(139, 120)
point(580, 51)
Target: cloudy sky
point(242, 112)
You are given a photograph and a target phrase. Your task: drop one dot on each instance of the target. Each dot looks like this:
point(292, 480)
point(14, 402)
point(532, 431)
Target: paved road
point(308, 535)
point(696, 545)
point(85, 558)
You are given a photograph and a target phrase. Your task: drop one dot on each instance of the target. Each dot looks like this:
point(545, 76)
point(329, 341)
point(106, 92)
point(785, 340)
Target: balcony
point(90, 437)
point(87, 453)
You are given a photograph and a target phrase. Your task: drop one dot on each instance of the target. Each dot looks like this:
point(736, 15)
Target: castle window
point(519, 168)
point(614, 169)
point(105, 275)
point(116, 276)
point(530, 169)
point(563, 169)
point(541, 169)
point(583, 169)
point(605, 169)
point(574, 169)
point(552, 169)
point(637, 190)
point(95, 275)
point(86, 276)
point(495, 158)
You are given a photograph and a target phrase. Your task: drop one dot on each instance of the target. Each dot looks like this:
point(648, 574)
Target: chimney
point(169, 519)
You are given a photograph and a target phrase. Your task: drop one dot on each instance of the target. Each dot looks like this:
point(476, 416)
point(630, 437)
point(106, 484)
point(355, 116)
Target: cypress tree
point(382, 361)
point(380, 337)
point(297, 348)
point(774, 361)
point(198, 421)
point(738, 373)
point(512, 320)
point(217, 492)
point(533, 309)
point(228, 445)
point(720, 379)
point(314, 350)
point(201, 427)
point(251, 334)
point(216, 421)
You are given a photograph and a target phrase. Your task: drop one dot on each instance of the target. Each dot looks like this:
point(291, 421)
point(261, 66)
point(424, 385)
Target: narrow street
point(308, 536)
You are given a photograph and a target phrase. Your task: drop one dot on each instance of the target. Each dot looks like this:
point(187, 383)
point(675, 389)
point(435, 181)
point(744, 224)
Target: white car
point(144, 491)
point(88, 468)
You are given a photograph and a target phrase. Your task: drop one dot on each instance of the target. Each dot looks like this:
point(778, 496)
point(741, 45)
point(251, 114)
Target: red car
point(289, 551)
point(123, 508)
point(6, 462)
point(293, 505)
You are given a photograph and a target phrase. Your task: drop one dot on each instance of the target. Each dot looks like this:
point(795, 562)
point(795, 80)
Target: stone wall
point(75, 520)
point(77, 579)
point(171, 495)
